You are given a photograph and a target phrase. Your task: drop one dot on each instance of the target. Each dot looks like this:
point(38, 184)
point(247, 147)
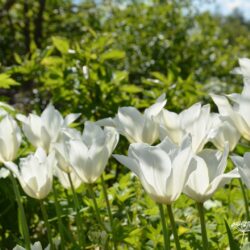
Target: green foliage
point(6, 81)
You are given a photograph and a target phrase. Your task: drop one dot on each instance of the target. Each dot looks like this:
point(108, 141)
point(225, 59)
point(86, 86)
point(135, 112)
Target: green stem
point(97, 211)
point(203, 225)
point(79, 223)
point(173, 225)
point(109, 209)
point(21, 209)
point(164, 228)
point(46, 221)
point(246, 204)
point(59, 216)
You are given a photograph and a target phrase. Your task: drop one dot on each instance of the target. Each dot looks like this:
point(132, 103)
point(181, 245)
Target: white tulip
point(238, 113)
point(195, 121)
point(243, 165)
point(162, 169)
point(35, 173)
point(10, 139)
point(208, 175)
point(134, 125)
point(44, 130)
point(224, 132)
point(89, 156)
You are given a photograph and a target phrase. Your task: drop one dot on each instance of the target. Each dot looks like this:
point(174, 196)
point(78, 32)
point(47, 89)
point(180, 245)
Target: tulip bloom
point(10, 139)
point(224, 131)
point(44, 130)
point(35, 173)
point(89, 156)
point(195, 120)
point(243, 165)
point(208, 175)
point(162, 169)
point(134, 125)
point(239, 112)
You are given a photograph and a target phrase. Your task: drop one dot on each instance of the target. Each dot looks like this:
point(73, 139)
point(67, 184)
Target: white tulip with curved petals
point(162, 169)
point(195, 120)
point(44, 130)
point(208, 175)
point(10, 139)
point(89, 156)
point(238, 113)
point(134, 125)
point(35, 173)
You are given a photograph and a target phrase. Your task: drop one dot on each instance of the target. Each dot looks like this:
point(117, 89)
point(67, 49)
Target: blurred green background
point(94, 57)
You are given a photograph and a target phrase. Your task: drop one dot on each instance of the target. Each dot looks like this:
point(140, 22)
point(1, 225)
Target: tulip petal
point(78, 153)
point(170, 126)
point(109, 122)
point(180, 172)
point(52, 121)
point(243, 165)
point(215, 160)
point(221, 181)
point(156, 108)
point(32, 129)
point(150, 131)
point(129, 122)
point(92, 133)
point(12, 167)
point(198, 181)
point(128, 162)
point(70, 118)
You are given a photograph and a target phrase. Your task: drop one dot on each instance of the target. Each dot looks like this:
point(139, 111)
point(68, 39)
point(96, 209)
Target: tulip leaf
point(232, 242)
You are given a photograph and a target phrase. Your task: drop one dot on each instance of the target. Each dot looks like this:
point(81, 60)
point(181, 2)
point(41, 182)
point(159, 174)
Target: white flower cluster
point(60, 150)
point(180, 163)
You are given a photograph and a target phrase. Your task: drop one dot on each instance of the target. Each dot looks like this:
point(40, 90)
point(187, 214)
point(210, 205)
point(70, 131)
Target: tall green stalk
point(246, 204)
point(109, 210)
point(97, 211)
point(164, 228)
point(81, 238)
point(21, 209)
point(203, 225)
point(59, 218)
point(46, 220)
point(173, 225)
